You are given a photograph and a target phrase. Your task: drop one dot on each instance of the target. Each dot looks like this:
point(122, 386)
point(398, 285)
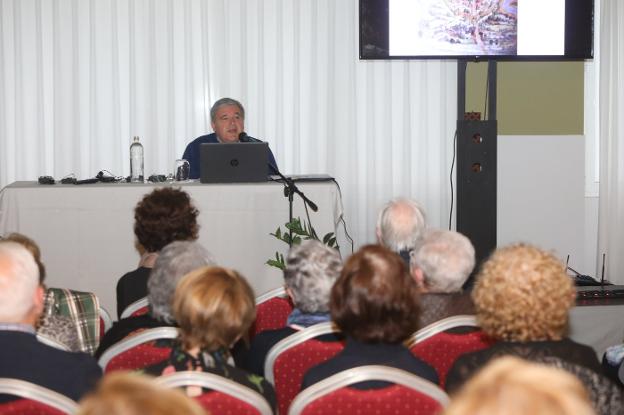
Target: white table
point(86, 236)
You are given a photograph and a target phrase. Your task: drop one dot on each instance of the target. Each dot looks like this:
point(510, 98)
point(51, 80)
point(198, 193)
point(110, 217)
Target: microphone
point(244, 138)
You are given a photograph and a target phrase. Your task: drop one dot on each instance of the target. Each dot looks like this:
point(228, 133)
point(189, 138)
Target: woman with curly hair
point(161, 217)
point(522, 298)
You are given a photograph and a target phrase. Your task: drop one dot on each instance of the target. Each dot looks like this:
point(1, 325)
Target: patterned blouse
point(218, 362)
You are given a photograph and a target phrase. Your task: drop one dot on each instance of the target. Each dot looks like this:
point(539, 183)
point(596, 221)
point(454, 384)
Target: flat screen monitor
point(476, 29)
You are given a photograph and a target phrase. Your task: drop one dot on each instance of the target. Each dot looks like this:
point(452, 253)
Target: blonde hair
point(512, 386)
point(213, 307)
point(523, 294)
point(127, 393)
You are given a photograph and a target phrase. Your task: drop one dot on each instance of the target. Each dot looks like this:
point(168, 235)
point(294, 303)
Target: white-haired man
point(399, 225)
point(441, 262)
point(227, 118)
point(21, 355)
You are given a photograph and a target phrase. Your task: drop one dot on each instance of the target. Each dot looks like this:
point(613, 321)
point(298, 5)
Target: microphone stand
point(290, 188)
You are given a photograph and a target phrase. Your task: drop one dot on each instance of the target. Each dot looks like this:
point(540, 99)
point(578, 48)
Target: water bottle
point(136, 161)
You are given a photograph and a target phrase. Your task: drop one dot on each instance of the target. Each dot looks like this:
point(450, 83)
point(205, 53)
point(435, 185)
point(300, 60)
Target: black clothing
point(357, 354)
point(567, 350)
point(131, 287)
point(68, 373)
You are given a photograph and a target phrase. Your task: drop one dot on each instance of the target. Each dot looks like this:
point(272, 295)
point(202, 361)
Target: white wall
point(541, 197)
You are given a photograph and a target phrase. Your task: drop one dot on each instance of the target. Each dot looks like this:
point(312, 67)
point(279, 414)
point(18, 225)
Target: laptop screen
point(233, 162)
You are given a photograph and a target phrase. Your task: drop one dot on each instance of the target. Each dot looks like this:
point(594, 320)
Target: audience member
point(522, 298)
point(512, 386)
point(441, 262)
point(375, 303)
point(127, 393)
point(214, 308)
point(59, 328)
point(227, 118)
point(311, 270)
point(21, 355)
point(161, 217)
point(174, 261)
point(399, 225)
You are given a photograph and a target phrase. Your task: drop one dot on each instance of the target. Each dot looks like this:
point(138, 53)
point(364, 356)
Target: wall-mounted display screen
point(476, 29)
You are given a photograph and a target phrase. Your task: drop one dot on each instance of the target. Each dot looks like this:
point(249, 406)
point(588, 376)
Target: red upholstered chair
point(439, 345)
point(272, 310)
point(290, 359)
point(33, 399)
point(138, 308)
point(225, 396)
point(138, 350)
point(409, 394)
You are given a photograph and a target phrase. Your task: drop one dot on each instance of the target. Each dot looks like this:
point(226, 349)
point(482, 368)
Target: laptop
point(233, 162)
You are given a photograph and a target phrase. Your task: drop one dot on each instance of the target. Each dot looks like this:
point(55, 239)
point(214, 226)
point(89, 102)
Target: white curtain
point(79, 78)
point(611, 101)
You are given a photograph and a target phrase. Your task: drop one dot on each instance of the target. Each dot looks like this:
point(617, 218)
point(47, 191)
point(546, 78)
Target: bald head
point(20, 293)
point(400, 224)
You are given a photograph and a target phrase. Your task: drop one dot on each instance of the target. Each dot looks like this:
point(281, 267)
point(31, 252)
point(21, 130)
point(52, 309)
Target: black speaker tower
point(476, 169)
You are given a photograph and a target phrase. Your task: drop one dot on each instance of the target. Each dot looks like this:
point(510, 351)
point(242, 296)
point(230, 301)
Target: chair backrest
point(290, 359)
point(138, 350)
point(106, 322)
point(52, 342)
point(33, 399)
point(409, 394)
point(138, 308)
point(440, 348)
point(272, 310)
point(223, 395)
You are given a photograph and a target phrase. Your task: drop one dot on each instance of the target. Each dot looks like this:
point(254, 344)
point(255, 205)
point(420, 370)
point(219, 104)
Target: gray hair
point(311, 270)
point(400, 223)
point(19, 279)
point(446, 259)
point(223, 102)
point(174, 261)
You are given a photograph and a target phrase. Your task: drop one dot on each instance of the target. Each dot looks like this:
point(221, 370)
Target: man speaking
point(227, 118)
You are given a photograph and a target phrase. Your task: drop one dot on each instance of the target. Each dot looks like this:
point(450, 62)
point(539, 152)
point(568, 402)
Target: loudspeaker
point(476, 184)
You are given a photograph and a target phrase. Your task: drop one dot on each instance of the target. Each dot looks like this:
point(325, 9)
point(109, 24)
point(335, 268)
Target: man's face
point(228, 123)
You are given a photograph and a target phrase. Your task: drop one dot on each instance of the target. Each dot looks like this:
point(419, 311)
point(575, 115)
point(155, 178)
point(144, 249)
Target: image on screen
point(476, 27)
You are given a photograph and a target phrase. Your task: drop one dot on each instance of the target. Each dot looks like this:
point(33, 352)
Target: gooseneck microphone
point(244, 138)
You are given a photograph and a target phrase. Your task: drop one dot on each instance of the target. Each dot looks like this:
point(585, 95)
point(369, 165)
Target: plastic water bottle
point(136, 161)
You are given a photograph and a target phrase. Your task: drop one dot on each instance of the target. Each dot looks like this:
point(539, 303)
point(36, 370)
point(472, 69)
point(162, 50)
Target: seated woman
point(375, 303)
point(311, 270)
point(174, 261)
point(161, 217)
point(522, 298)
point(214, 308)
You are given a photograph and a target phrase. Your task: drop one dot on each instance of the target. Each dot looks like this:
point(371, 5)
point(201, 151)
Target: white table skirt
point(86, 236)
